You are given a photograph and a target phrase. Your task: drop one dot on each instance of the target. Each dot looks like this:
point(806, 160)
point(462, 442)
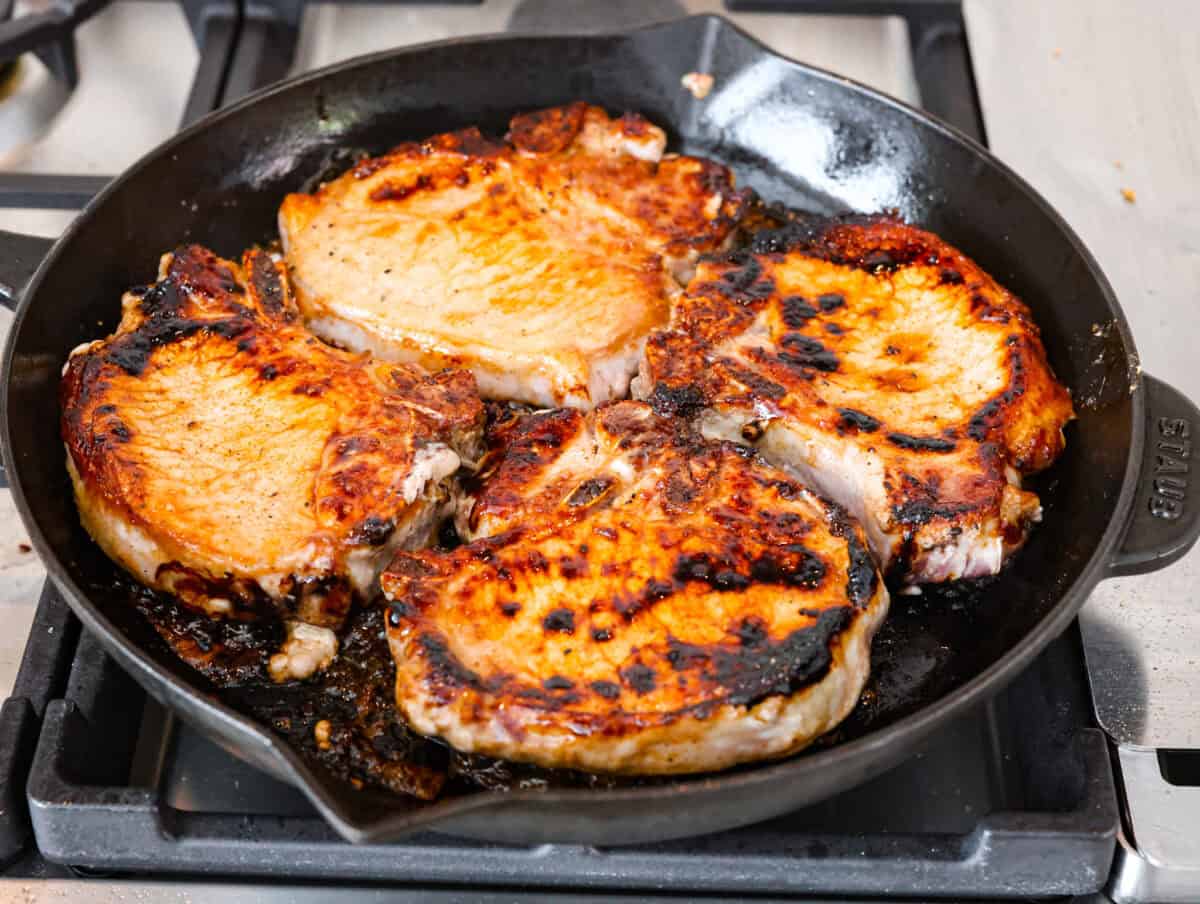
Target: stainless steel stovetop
point(1096, 102)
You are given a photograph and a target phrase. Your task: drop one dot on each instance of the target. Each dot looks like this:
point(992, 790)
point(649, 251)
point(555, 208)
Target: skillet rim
point(868, 750)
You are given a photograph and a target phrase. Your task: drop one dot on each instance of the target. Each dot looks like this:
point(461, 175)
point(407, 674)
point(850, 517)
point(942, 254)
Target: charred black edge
point(806, 352)
point(862, 576)
point(756, 668)
point(132, 351)
point(989, 415)
point(816, 235)
point(808, 572)
point(749, 670)
point(192, 269)
point(852, 419)
point(921, 443)
point(267, 284)
point(918, 513)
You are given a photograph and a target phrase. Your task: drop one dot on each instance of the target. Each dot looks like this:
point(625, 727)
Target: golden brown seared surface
point(539, 262)
point(887, 369)
point(221, 452)
point(645, 602)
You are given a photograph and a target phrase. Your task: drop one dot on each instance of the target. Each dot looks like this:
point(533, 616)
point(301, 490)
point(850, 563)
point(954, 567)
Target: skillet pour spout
point(1120, 500)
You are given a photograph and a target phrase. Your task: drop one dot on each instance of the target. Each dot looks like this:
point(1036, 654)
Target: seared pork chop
point(636, 600)
point(221, 452)
point(883, 367)
point(540, 262)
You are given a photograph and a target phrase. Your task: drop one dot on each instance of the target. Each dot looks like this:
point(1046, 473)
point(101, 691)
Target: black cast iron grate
point(1016, 799)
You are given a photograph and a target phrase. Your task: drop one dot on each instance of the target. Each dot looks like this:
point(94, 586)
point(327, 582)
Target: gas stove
point(1076, 782)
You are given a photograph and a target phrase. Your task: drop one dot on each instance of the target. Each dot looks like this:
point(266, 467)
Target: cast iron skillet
point(796, 134)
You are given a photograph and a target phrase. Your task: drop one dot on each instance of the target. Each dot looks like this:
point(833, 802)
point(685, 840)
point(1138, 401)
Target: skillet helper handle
point(1166, 513)
point(20, 256)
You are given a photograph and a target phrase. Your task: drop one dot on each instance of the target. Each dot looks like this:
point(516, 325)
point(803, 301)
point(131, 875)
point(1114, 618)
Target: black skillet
point(1113, 504)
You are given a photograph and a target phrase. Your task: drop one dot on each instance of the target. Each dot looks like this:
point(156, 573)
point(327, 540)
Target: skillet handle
point(1166, 513)
point(20, 256)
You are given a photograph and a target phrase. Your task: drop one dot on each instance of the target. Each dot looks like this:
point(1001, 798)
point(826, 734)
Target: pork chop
point(540, 262)
point(883, 367)
point(222, 453)
point(635, 600)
